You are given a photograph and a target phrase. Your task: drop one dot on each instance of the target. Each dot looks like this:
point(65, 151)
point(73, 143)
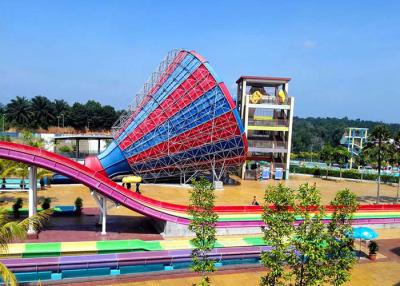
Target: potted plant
point(78, 205)
point(16, 206)
point(373, 249)
point(42, 186)
point(46, 203)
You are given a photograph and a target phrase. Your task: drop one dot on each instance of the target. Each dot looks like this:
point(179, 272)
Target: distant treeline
point(42, 113)
point(311, 134)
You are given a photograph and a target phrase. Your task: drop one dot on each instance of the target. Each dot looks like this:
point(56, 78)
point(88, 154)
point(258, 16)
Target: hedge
point(348, 174)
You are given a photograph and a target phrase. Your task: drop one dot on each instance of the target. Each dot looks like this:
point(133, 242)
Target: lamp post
point(62, 114)
point(4, 120)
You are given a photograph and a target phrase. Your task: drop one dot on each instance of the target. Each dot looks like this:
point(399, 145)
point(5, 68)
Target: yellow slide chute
point(131, 179)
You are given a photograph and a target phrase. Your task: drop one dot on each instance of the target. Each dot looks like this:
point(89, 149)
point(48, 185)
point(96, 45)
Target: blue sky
point(343, 56)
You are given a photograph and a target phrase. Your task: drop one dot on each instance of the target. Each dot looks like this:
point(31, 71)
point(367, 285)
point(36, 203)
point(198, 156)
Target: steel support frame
point(222, 159)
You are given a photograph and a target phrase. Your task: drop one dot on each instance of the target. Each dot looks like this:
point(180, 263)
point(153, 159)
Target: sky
point(343, 56)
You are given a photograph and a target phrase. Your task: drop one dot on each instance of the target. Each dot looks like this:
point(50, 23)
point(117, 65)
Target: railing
point(269, 99)
point(274, 122)
point(267, 144)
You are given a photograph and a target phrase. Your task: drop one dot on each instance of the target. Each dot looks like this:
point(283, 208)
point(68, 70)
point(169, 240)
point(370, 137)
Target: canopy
point(131, 179)
point(364, 233)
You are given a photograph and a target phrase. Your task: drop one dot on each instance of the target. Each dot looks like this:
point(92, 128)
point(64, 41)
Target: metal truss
point(181, 123)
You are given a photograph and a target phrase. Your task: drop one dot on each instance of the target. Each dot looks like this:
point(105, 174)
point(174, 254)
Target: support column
point(104, 216)
point(102, 204)
point(245, 125)
point(32, 232)
point(289, 142)
point(77, 149)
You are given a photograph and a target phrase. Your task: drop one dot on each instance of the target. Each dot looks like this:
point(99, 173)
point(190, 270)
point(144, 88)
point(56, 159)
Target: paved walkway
point(363, 274)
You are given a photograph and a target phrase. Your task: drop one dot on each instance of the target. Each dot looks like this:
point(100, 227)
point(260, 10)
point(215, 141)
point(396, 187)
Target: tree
point(377, 147)
point(203, 225)
point(340, 155)
point(19, 112)
point(310, 238)
point(78, 116)
point(340, 255)
point(11, 230)
point(361, 160)
point(43, 111)
point(279, 219)
point(396, 159)
point(307, 252)
point(61, 112)
point(29, 139)
point(327, 157)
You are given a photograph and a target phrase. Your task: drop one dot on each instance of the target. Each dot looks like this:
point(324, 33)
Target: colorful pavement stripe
point(48, 249)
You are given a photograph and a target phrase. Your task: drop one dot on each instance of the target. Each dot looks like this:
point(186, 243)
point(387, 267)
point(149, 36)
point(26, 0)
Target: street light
point(4, 120)
point(58, 120)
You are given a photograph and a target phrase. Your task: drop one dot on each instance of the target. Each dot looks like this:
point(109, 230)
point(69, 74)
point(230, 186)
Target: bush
point(16, 206)
point(65, 149)
point(348, 174)
point(78, 205)
point(317, 172)
point(46, 203)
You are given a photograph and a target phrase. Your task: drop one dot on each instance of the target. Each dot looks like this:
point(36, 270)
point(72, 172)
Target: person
point(3, 185)
point(123, 185)
point(254, 202)
point(128, 186)
point(138, 187)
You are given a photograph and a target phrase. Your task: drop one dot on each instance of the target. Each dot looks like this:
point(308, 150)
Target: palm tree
point(19, 110)
point(378, 147)
point(327, 157)
point(341, 155)
point(361, 160)
point(396, 159)
point(11, 230)
point(43, 111)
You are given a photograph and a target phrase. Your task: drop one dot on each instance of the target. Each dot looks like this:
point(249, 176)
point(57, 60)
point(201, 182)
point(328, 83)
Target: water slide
point(229, 216)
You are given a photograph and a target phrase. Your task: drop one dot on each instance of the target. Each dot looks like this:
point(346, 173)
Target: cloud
point(309, 44)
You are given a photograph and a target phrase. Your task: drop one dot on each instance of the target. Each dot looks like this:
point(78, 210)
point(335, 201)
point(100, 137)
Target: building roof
point(82, 137)
point(263, 79)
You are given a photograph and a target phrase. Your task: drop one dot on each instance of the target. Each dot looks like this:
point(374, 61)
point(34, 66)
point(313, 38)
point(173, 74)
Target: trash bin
point(278, 173)
point(265, 173)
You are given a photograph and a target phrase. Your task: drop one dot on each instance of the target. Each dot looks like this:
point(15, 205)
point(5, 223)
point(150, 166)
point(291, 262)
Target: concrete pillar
point(246, 126)
point(289, 142)
point(102, 204)
point(32, 233)
point(104, 216)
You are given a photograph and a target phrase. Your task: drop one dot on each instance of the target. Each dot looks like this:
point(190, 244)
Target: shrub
point(78, 205)
point(46, 203)
point(16, 206)
point(65, 149)
point(317, 172)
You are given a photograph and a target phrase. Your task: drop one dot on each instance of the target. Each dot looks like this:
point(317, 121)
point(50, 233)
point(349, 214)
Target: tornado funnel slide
point(229, 216)
point(183, 120)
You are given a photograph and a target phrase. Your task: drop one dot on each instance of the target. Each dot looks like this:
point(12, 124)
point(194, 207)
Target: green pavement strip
point(254, 241)
point(42, 249)
point(108, 246)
